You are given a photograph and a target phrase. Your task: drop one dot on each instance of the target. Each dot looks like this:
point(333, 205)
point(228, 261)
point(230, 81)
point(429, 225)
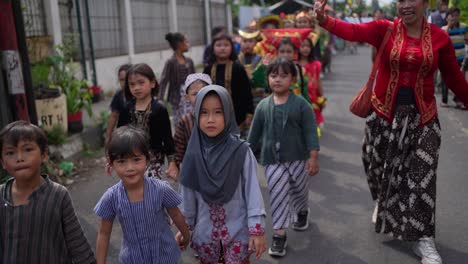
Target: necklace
point(227, 75)
point(140, 119)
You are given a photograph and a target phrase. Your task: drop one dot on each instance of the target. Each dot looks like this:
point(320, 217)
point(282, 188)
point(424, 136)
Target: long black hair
point(145, 70)
point(311, 56)
point(212, 56)
point(124, 67)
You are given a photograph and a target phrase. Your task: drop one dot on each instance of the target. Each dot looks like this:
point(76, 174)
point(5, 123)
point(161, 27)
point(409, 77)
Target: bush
point(57, 136)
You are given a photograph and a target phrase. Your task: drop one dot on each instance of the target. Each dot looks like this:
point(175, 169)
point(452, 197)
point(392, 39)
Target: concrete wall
point(107, 67)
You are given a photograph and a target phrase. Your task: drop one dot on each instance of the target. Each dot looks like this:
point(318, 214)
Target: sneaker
point(442, 104)
point(425, 248)
point(374, 214)
point(278, 246)
point(302, 222)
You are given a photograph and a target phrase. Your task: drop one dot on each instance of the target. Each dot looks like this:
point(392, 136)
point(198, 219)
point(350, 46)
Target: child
point(118, 104)
point(305, 20)
point(175, 72)
point(207, 52)
point(247, 57)
point(38, 223)
point(221, 195)
point(140, 203)
point(287, 50)
point(227, 72)
point(284, 130)
point(146, 113)
point(194, 83)
point(250, 60)
point(313, 68)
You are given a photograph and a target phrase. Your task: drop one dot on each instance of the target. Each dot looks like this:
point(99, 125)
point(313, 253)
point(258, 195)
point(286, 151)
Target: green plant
point(40, 73)
point(62, 76)
point(103, 118)
point(78, 97)
point(57, 136)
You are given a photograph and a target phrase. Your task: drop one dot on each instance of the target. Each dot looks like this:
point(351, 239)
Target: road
point(340, 202)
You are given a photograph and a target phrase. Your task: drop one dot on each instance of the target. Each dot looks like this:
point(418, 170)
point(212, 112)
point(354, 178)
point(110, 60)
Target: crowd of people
point(259, 103)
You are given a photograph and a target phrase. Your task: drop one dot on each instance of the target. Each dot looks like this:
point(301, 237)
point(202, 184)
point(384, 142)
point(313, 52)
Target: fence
point(150, 22)
point(35, 24)
point(106, 25)
point(218, 14)
point(190, 14)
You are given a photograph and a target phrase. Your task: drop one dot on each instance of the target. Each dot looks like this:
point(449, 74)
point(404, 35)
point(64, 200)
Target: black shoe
point(302, 222)
point(278, 246)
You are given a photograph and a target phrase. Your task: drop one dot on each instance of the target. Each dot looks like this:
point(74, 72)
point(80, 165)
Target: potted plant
point(50, 102)
point(78, 97)
point(75, 90)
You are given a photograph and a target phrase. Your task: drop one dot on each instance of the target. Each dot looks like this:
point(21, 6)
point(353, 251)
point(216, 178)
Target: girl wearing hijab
point(221, 195)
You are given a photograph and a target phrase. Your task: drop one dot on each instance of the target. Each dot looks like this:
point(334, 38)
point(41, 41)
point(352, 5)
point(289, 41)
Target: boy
point(193, 84)
point(37, 220)
point(247, 57)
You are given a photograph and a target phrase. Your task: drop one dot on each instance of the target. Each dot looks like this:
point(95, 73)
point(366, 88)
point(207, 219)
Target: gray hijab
point(213, 166)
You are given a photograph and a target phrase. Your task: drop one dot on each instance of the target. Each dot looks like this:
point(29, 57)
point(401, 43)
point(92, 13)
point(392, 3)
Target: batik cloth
point(400, 160)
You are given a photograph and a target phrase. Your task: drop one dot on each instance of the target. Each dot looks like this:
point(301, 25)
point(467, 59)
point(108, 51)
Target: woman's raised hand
point(319, 10)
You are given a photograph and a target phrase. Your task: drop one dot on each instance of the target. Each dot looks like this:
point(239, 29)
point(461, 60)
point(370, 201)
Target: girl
point(221, 195)
point(304, 20)
point(175, 71)
point(227, 72)
point(285, 132)
point(140, 204)
point(287, 50)
point(118, 103)
point(194, 83)
point(313, 68)
point(146, 113)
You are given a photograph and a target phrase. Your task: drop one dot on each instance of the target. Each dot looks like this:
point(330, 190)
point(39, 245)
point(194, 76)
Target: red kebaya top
point(406, 62)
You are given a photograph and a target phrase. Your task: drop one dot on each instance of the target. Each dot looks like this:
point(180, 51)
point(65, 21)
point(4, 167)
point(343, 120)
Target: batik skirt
point(400, 159)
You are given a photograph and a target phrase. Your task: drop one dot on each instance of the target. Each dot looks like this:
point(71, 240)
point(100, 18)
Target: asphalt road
point(340, 202)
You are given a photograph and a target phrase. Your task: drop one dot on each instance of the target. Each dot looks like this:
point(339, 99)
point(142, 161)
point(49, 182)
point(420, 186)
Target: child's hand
point(257, 244)
point(248, 120)
point(312, 165)
point(267, 59)
point(172, 171)
point(182, 241)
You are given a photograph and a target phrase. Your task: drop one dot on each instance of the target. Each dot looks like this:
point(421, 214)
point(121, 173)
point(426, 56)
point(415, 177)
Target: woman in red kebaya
point(402, 135)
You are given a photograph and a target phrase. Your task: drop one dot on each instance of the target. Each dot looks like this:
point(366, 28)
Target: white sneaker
point(425, 248)
point(374, 214)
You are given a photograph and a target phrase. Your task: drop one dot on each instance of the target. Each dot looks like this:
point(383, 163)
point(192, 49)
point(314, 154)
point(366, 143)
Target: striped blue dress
point(147, 237)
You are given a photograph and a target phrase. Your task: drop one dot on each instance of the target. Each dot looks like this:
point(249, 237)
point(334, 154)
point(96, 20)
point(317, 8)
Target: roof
point(288, 6)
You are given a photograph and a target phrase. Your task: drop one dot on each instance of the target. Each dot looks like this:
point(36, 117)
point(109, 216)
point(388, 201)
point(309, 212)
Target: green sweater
point(299, 135)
